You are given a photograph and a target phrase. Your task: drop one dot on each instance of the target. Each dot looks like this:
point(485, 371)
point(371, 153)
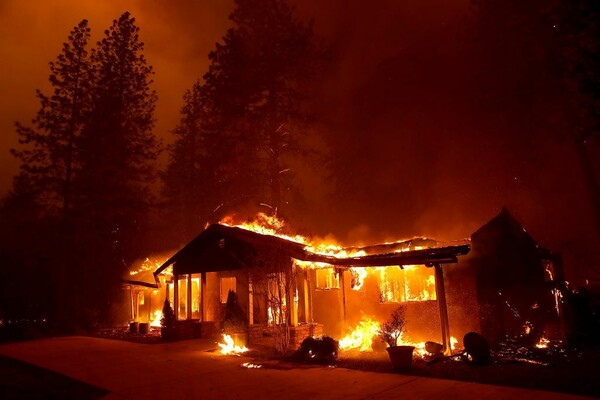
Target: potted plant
point(389, 332)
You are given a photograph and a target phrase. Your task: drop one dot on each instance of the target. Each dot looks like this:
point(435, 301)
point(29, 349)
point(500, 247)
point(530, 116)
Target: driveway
point(193, 370)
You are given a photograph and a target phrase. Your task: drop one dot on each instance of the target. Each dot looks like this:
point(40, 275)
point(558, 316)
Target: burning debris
point(251, 365)
point(230, 348)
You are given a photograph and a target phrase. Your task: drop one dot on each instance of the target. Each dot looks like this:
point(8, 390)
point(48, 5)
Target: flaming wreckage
point(500, 283)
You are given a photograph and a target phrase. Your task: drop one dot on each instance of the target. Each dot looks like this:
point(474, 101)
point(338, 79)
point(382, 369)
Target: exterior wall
point(423, 322)
point(263, 335)
point(461, 298)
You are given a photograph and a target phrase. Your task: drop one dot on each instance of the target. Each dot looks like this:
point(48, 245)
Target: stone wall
point(264, 335)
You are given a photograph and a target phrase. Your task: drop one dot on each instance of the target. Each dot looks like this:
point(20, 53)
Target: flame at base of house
point(229, 347)
point(365, 335)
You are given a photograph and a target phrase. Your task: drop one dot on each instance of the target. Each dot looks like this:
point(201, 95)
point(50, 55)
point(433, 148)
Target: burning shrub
point(322, 350)
point(390, 330)
point(167, 322)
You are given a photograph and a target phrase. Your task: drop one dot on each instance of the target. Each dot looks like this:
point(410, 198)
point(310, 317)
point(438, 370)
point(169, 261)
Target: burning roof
point(221, 247)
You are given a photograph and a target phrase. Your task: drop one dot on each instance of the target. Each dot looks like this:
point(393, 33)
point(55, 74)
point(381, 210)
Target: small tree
point(392, 329)
point(167, 321)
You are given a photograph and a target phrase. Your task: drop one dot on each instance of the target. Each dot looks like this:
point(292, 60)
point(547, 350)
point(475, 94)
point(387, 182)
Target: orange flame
point(230, 348)
point(155, 322)
point(366, 331)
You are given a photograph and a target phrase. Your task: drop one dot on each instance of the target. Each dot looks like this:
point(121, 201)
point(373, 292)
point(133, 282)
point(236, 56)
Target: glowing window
point(227, 284)
point(327, 278)
point(413, 283)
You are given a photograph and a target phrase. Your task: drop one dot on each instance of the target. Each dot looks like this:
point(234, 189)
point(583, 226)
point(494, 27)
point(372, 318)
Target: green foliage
point(390, 330)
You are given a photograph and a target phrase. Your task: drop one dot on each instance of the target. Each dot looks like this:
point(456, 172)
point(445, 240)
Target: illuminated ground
point(190, 369)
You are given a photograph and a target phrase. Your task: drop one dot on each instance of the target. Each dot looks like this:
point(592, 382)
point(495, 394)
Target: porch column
point(440, 292)
point(250, 303)
point(176, 296)
point(202, 296)
point(343, 285)
point(309, 317)
point(189, 297)
point(305, 296)
point(291, 299)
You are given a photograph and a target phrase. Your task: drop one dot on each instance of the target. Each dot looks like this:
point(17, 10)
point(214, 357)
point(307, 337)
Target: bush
point(167, 322)
point(318, 350)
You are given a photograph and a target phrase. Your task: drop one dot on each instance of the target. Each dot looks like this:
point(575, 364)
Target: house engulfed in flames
point(341, 292)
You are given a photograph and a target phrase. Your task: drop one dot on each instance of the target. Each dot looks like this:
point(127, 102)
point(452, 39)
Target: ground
point(193, 369)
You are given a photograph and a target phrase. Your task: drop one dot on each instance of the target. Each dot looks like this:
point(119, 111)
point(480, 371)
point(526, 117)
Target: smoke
point(414, 152)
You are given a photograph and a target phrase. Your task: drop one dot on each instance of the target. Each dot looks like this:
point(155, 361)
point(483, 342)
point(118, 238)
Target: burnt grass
point(564, 370)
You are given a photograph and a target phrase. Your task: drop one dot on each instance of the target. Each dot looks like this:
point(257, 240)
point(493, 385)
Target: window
point(327, 278)
point(413, 283)
point(227, 284)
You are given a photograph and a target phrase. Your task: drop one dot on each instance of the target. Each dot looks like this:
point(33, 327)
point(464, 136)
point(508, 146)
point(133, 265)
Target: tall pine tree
point(117, 151)
point(189, 180)
point(49, 157)
point(118, 148)
point(257, 86)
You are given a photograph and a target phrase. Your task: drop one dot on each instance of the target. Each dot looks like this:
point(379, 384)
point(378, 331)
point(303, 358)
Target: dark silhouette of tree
point(577, 39)
point(49, 158)
point(117, 151)
point(257, 89)
point(189, 180)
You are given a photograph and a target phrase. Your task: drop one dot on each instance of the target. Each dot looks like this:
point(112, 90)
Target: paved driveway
point(190, 370)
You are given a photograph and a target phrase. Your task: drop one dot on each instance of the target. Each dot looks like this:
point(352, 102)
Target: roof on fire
point(221, 247)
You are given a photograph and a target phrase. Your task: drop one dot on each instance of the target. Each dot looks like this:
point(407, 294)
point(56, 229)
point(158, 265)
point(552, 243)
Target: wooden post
point(305, 296)
point(250, 303)
point(188, 303)
point(176, 296)
point(291, 296)
point(132, 308)
point(440, 292)
point(203, 296)
point(310, 297)
point(343, 285)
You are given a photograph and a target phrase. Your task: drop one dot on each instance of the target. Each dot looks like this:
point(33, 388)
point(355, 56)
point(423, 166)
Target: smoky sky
point(414, 151)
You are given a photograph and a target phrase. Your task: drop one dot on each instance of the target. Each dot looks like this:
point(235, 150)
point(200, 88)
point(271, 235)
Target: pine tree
point(118, 148)
point(49, 159)
point(189, 180)
point(259, 78)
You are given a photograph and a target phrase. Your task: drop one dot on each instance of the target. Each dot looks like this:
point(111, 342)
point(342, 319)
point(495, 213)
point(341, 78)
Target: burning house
point(310, 290)
point(511, 283)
